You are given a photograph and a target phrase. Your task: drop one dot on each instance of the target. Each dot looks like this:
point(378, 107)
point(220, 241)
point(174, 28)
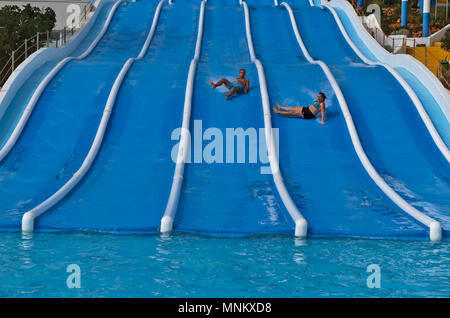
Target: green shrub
point(446, 41)
point(18, 24)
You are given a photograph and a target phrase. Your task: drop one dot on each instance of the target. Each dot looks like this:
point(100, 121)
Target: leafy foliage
point(18, 24)
point(446, 40)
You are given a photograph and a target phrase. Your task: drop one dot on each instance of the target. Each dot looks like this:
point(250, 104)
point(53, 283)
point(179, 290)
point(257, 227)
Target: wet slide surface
point(391, 131)
point(228, 198)
point(61, 129)
point(319, 164)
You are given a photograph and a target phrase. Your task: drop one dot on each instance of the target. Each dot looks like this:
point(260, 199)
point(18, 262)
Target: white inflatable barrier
point(183, 149)
point(30, 216)
point(433, 225)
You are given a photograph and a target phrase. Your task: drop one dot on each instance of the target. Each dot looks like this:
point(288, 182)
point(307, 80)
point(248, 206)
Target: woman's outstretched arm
point(322, 110)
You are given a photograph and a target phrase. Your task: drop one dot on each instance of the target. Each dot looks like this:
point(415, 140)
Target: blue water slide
point(321, 169)
point(129, 108)
point(62, 126)
point(392, 132)
point(127, 187)
point(221, 195)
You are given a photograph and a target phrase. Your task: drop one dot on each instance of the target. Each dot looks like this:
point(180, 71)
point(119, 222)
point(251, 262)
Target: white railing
point(12, 139)
point(301, 225)
point(30, 216)
point(183, 148)
point(433, 225)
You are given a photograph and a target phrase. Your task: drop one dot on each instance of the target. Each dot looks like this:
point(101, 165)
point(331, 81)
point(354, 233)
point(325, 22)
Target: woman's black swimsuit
point(307, 114)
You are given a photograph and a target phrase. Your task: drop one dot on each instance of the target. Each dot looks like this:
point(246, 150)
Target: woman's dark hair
point(323, 95)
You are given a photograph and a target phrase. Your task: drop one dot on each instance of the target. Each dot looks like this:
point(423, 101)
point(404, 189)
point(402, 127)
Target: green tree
point(18, 24)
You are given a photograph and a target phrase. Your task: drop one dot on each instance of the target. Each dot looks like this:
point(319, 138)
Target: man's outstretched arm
point(247, 86)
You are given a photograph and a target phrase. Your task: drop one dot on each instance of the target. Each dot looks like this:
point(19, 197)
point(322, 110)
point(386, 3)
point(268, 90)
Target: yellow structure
point(430, 56)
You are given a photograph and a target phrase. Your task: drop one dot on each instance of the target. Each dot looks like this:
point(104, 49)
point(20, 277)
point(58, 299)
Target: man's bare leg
point(220, 82)
point(231, 92)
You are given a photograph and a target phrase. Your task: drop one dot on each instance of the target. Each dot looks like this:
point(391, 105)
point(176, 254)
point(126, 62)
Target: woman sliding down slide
point(238, 85)
point(309, 112)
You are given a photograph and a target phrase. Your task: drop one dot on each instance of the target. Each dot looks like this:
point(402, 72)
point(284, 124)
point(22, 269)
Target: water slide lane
point(227, 198)
point(391, 130)
point(320, 167)
point(135, 155)
point(63, 124)
point(15, 109)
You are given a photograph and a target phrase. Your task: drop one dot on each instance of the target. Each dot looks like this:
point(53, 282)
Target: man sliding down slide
point(237, 86)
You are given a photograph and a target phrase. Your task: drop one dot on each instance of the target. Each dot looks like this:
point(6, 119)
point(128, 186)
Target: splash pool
point(185, 265)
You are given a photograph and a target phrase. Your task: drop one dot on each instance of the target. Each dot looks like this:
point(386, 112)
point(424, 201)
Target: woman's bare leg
point(288, 113)
point(298, 108)
point(220, 82)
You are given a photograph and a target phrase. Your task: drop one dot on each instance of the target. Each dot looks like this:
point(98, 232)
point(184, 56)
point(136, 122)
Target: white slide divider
point(184, 145)
point(301, 225)
point(29, 217)
point(417, 103)
point(433, 225)
point(12, 140)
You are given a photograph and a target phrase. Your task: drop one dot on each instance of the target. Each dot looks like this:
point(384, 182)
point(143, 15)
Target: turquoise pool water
point(185, 265)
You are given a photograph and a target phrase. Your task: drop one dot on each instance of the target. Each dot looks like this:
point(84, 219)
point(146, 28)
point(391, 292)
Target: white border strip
point(30, 216)
point(183, 148)
point(421, 110)
point(9, 144)
point(301, 225)
point(433, 225)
